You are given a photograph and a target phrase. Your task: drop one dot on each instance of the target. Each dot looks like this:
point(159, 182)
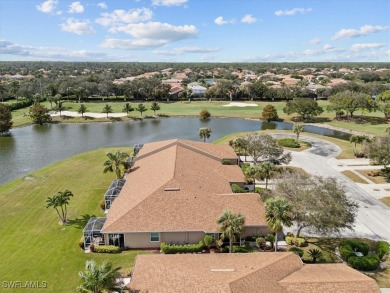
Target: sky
point(195, 30)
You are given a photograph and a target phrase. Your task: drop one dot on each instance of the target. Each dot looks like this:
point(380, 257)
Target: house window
point(154, 237)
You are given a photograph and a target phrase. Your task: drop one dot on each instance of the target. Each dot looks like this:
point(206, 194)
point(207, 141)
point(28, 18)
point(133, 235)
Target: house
point(252, 272)
point(174, 193)
point(196, 89)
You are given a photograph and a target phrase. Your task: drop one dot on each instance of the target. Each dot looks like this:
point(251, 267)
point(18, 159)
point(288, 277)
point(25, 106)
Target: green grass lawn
point(373, 122)
point(34, 246)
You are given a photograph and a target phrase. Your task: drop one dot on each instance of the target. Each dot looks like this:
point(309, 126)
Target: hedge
point(244, 248)
point(364, 263)
point(382, 248)
point(20, 104)
point(106, 249)
point(237, 188)
point(288, 142)
point(296, 250)
point(299, 242)
point(348, 247)
point(187, 248)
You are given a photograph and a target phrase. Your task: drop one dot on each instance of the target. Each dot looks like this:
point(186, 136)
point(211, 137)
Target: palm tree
point(127, 108)
point(278, 213)
point(297, 129)
point(60, 108)
point(315, 254)
point(251, 173)
point(155, 107)
point(204, 133)
point(114, 163)
point(15, 86)
point(59, 202)
point(141, 108)
point(101, 278)
point(82, 109)
point(357, 139)
point(107, 109)
point(231, 226)
point(266, 172)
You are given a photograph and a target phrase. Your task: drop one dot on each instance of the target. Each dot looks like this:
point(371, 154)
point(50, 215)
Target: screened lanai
point(113, 191)
point(92, 232)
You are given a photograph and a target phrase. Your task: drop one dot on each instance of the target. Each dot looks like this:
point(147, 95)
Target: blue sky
point(195, 30)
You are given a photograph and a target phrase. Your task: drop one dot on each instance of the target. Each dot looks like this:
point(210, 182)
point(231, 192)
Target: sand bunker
point(240, 105)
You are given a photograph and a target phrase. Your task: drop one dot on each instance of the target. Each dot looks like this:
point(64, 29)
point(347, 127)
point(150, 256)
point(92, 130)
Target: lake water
point(32, 147)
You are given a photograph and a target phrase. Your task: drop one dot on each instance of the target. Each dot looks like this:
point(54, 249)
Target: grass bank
point(34, 246)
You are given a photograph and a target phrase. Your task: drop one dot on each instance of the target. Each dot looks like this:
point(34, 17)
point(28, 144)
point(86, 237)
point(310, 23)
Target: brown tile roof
point(254, 272)
point(204, 190)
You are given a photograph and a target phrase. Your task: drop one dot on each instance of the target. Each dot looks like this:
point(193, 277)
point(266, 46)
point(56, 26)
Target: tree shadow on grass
point(81, 222)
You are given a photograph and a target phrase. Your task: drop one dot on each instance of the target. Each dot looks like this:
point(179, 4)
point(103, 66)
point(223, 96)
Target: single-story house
point(197, 89)
point(238, 272)
point(175, 192)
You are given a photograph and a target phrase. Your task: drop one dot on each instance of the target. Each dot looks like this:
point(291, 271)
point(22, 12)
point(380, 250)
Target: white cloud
point(185, 50)
point(327, 47)
point(366, 46)
point(47, 6)
point(249, 19)
point(118, 17)
point(309, 52)
point(168, 2)
point(102, 5)
point(76, 7)
point(132, 44)
point(314, 41)
point(293, 11)
point(362, 31)
point(387, 52)
point(77, 27)
point(220, 21)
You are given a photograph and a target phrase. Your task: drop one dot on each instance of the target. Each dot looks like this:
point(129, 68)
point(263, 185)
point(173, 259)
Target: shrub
point(227, 162)
point(270, 238)
point(81, 244)
point(103, 205)
point(347, 248)
point(187, 248)
point(296, 250)
point(237, 188)
point(20, 104)
point(92, 247)
point(106, 249)
point(300, 242)
point(208, 240)
point(260, 243)
point(289, 240)
point(382, 248)
point(315, 254)
point(364, 263)
point(204, 114)
point(244, 248)
point(288, 142)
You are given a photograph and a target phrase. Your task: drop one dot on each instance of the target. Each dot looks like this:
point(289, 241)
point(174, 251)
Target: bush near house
point(237, 188)
point(296, 250)
point(105, 249)
point(243, 248)
point(187, 248)
point(364, 263)
point(299, 242)
point(382, 249)
point(347, 248)
point(288, 142)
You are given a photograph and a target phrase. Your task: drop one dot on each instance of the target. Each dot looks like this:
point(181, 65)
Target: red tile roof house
point(175, 192)
point(263, 272)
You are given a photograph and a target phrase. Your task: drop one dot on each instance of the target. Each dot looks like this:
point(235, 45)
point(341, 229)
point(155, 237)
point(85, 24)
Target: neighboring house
point(175, 91)
point(174, 193)
point(196, 89)
point(251, 272)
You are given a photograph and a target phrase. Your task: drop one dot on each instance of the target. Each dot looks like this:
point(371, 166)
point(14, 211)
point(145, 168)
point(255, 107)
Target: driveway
point(373, 217)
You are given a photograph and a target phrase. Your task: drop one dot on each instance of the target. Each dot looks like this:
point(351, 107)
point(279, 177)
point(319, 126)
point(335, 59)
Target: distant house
point(243, 273)
point(175, 192)
point(196, 89)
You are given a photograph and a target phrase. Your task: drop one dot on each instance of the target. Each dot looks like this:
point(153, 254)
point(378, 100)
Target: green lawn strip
point(34, 246)
point(386, 200)
point(303, 146)
point(375, 179)
point(346, 147)
point(355, 178)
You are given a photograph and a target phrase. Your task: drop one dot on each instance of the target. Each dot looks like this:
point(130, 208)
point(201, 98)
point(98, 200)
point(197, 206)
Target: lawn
point(375, 179)
point(34, 246)
point(372, 124)
point(355, 178)
point(386, 200)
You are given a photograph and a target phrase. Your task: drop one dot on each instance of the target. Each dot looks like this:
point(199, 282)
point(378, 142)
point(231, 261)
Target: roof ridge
point(198, 150)
point(158, 149)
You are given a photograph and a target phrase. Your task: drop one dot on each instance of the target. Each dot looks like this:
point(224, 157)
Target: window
point(154, 237)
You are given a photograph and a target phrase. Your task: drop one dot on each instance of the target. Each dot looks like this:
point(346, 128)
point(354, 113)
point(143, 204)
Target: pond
point(32, 147)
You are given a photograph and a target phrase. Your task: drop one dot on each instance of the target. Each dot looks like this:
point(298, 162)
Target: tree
point(251, 174)
point(82, 109)
point(204, 114)
point(115, 163)
point(351, 101)
point(306, 108)
point(60, 108)
point(278, 212)
point(297, 129)
point(98, 279)
point(263, 146)
point(5, 118)
point(127, 108)
point(107, 109)
point(384, 103)
point(39, 114)
point(59, 202)
point(231, 225)
point(204, 133)
point(3, 91)
point(155, 107)
point(379, 150)
point(357, 139)
point(15, 86)
point(315, 254)
point(269, 113)
point(319, 204)
point(81, 94)
point(141, 108)
point(266, 172)
point(240, 146)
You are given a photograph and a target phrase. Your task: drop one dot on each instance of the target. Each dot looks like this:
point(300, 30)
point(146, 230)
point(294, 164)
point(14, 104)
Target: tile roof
point(196, 169)
point(253, 272)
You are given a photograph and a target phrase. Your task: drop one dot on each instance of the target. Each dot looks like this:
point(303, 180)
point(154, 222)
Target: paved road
point(373, 217)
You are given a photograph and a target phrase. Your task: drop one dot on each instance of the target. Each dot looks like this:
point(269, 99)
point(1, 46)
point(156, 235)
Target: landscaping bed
point(355, 178)
point(375, 176)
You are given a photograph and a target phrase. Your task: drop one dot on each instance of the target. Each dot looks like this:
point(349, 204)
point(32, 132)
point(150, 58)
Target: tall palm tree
point(82, 109)
point(251, 173)
point(99, 279)
point(107, 109)
point(204, 133)
point(59, 202)
point(127, 108)
point(231, 226)
point(155, 107)
point(266, 172)
point(141, 108)
point(297, 129)
point(278, 212)
point(114, 163)
point(357, 139)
